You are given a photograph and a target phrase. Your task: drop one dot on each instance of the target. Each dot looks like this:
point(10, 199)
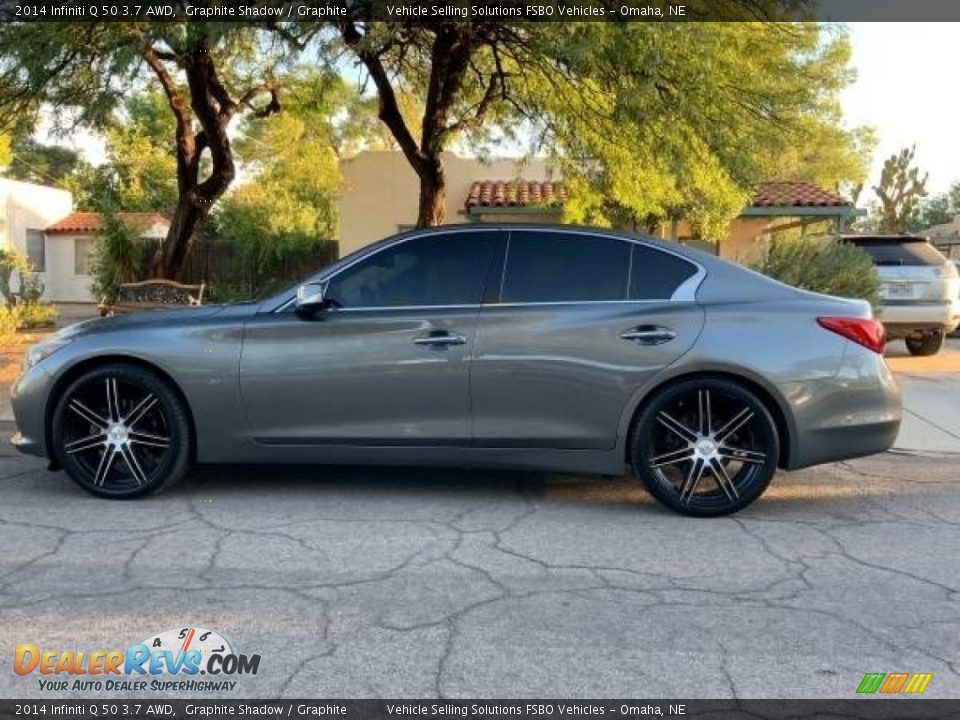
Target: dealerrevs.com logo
point(171, 660)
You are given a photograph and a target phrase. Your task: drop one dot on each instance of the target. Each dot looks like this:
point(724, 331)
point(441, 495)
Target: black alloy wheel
point(120, 432)
point(705, 447)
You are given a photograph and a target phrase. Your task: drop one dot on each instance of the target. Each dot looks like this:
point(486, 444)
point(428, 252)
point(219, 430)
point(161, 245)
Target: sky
point(906, 89)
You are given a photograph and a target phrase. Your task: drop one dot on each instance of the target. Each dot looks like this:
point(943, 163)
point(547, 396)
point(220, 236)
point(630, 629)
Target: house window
point(83, 250)
point(36, 250)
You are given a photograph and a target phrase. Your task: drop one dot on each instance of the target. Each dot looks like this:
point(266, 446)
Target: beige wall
point(380, 192)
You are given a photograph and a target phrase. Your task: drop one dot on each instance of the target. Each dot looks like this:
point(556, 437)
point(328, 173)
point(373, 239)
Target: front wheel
point(925, 345)
point(705, 447)
point(119, 431)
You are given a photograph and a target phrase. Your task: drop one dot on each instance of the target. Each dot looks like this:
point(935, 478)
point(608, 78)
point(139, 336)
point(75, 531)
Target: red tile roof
point(545, 193)
point(795, 194)
point(516, 193)
point(91, 222)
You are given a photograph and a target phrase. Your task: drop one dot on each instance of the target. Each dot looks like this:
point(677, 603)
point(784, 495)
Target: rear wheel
point(925, 345)
point(705, 447)
point(120, 432)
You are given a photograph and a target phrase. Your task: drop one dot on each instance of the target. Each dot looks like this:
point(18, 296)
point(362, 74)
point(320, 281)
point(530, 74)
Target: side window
point(544, 266)
point(447, 269)
point(83, 252)
point(655, 275)
point(36, 250)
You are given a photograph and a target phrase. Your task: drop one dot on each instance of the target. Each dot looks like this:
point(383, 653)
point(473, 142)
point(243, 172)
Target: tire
point(120, 432)
point(705, 447)
point(926, 345)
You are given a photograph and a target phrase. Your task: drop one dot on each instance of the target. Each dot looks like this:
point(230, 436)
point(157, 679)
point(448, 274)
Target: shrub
point(12, 262)
point(9, 321)
point(118, 258)
point(37, 315)
point(821, 265)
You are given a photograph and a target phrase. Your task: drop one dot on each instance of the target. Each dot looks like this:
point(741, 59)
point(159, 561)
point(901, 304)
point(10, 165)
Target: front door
point(387, 364)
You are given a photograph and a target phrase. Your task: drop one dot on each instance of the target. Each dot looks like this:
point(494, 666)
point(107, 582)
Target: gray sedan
point(548, 348)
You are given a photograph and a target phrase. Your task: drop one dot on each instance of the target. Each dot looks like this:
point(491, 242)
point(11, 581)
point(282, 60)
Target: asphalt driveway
point(410, 582)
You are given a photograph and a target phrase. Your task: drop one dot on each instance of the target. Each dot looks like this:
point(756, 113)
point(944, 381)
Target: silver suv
point(919, 289)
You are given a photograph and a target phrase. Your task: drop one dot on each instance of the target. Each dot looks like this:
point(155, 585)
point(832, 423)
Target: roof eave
point(837, 211)
point(513, 210)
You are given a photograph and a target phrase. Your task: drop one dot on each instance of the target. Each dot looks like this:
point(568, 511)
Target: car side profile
point(549, 348)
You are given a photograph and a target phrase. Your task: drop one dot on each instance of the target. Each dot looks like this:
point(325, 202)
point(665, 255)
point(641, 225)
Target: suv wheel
point(925, 345)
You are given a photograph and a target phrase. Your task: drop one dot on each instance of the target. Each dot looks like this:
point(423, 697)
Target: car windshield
point(899, 251)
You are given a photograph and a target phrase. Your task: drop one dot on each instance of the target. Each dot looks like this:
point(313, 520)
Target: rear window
point(899, 251)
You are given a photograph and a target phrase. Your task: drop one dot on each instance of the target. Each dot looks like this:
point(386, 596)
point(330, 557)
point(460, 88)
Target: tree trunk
point(433, 193)
point(169, 258)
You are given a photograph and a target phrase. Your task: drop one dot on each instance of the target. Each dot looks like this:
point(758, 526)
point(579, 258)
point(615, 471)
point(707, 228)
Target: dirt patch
point(11, 359)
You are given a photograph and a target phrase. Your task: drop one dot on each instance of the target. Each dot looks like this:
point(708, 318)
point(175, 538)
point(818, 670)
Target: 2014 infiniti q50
point(547, 348)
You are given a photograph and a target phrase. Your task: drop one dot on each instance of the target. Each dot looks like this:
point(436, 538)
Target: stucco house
point(380, 192)
point(40, 223)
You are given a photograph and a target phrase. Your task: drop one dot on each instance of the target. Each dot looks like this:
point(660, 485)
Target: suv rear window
point(899, 251)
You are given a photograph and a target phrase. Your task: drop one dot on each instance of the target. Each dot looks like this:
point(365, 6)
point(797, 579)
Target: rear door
point(580, 323)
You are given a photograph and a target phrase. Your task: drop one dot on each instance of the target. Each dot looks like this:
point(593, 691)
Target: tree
point(651, 120)
point(900, 191)
point(938, 210)
point(39, 163)
point(140, 171)
point(700, 113)
point(209, 73)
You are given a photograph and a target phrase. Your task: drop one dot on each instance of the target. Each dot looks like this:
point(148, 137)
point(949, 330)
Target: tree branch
point(389, 111)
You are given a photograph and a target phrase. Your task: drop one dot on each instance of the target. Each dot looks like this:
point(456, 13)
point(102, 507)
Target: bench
point(150, 295)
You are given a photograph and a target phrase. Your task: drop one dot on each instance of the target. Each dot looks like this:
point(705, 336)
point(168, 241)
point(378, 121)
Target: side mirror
point(311, 296)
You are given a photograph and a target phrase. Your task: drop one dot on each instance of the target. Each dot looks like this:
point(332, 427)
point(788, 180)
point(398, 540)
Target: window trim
point(685, 292)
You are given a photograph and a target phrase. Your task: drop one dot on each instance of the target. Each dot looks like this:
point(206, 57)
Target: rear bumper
point(900, 319)
point(856, 413)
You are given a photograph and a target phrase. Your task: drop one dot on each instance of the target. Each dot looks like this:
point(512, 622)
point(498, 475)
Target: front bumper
point(28, 396)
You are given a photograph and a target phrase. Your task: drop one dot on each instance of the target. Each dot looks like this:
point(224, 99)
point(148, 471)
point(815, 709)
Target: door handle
point(440, 339)
point(649, 335)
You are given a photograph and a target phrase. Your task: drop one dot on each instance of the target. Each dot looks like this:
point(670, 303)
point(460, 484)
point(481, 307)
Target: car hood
point(175, 317)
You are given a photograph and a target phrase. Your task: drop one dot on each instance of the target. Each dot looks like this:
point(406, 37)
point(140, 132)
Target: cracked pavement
point(355, 582)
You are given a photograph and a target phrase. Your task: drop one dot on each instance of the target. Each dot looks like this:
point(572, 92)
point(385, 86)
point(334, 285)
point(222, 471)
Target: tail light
point(863, 331)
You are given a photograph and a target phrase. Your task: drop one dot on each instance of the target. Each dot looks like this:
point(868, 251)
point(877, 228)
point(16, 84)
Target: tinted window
point(899, 251)
point(565, 267)
point(435, 270)
point(655, 275)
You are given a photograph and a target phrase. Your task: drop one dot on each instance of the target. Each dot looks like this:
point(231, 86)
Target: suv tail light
point(863, 331)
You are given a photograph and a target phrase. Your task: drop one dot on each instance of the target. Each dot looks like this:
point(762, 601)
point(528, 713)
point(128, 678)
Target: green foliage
point(821, 265)
point(35, 162)
point(668, 121)
point(140, 172)
point(900, 191)
point(937, 210)
point(119, 257)
point(36, 315)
